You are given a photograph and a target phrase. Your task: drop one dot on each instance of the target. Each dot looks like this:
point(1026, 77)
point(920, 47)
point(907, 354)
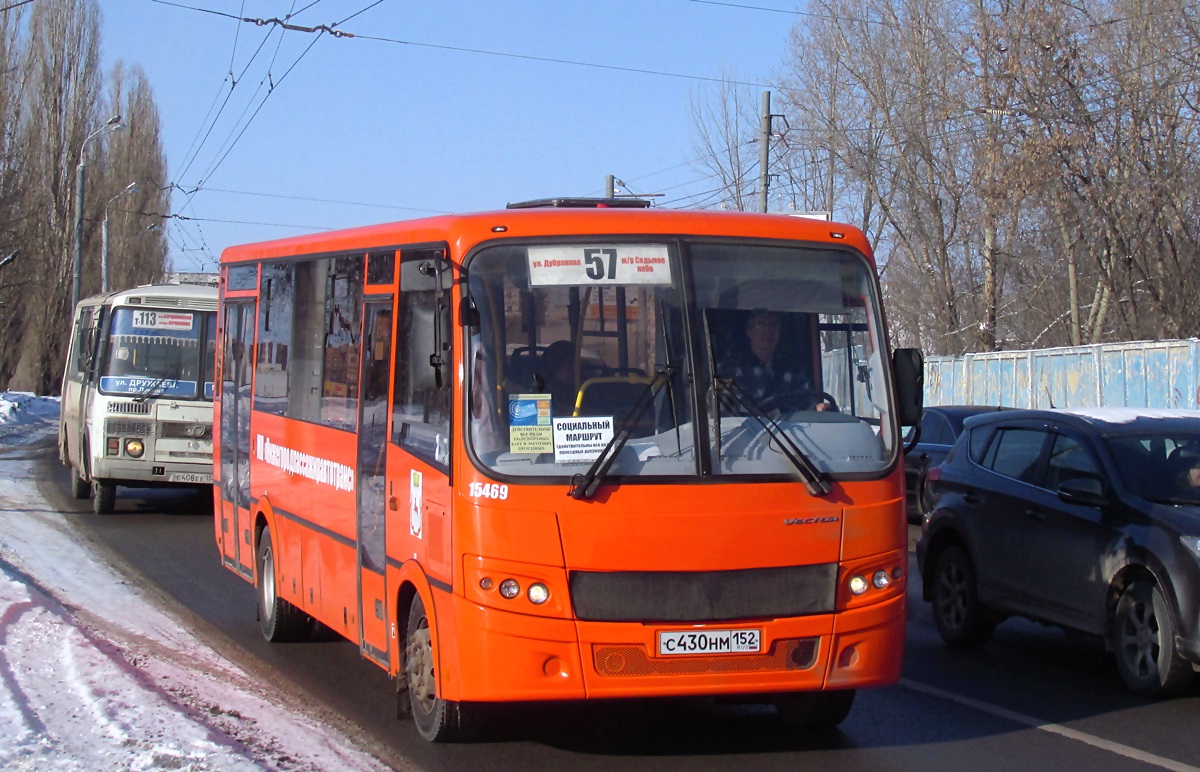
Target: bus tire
point(278, 619)
point(80, 488)
point(437, 720)
point(105, 497)
point(815, 710)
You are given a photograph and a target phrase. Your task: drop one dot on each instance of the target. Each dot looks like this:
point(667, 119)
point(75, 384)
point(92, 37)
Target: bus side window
point(421, 411)
point(80, 344)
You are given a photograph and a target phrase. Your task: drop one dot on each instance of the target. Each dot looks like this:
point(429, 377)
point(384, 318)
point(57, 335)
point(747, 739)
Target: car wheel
point(437, 720)
point(80, 488)
point(1144, 643)
point(815, 710)
point(105, 500)
point(960, 618)
point(278, 619)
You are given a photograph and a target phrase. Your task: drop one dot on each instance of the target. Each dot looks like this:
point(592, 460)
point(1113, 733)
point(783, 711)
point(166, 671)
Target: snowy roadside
point(94, 676)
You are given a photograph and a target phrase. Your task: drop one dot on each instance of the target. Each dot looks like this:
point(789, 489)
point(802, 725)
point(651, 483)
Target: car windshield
point(710, 358)
point(1161, 467)
point(159, 353)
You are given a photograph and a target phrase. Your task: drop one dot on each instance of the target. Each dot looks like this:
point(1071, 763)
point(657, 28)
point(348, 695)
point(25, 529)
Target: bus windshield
point(159, 353)
point(689, 357)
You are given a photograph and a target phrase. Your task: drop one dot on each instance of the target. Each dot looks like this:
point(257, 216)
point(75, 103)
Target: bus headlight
point(510, 588)
point(881, 579)
point(858, 585)
point(134, 448)
point(538, 593)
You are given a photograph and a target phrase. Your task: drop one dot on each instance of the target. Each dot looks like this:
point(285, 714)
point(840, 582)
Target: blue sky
point(376, 131)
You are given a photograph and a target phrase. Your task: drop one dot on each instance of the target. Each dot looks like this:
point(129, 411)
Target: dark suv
point(1085, 519)
point(939, 428)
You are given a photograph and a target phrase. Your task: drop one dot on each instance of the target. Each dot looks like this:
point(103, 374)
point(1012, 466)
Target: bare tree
point(62, 104)
point(727, 129)
point(137, 244)
point(1026, 168)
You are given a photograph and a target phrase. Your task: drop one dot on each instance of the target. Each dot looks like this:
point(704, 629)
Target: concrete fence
point(1160, 374)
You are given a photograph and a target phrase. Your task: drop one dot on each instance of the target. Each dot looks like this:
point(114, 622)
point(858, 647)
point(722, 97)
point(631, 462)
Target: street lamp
point(114, 124)
point(130, 188)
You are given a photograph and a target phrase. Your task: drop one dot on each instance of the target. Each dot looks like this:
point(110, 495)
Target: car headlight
point(1193, 545)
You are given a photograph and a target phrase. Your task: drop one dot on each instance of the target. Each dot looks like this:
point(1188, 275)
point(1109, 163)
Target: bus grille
point(126, 427)
point(624, 660)
point(704, 596)
point(130, 408)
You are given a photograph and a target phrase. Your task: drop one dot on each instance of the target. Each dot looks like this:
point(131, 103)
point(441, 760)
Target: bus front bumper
point(495, 656)
point(151, 473)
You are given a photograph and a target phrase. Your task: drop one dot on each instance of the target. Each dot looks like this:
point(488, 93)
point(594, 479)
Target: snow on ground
point(94, 676)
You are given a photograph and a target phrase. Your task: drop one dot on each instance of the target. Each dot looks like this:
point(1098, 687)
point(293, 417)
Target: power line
point(326, 200)
point(334, 31)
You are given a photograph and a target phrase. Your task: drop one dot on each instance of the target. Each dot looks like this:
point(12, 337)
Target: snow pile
point(95, 677)
point(24, 417)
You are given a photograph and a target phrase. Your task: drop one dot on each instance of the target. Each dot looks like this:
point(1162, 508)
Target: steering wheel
point(804, 399)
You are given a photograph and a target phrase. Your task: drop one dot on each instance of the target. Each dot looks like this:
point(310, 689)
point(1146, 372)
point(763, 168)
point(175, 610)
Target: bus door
point(75, 396)
point(235, 534)
point(418, 481)
point(371, 477)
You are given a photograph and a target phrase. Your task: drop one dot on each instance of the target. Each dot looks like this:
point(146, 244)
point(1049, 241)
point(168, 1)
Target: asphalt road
point(1033, 698)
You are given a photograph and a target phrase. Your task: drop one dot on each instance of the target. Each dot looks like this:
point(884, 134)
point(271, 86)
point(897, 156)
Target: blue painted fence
point(1160, 374)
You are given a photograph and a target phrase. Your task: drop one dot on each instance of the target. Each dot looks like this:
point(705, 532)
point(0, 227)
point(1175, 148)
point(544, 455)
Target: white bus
point(137, 391)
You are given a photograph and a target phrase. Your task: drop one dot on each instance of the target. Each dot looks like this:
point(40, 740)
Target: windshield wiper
point(583, 486)
point(818, 483)
point(156, 387)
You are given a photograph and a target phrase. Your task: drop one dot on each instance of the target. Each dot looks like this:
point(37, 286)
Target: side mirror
point(1085, 491)
point(908, 367)
point(912, 439)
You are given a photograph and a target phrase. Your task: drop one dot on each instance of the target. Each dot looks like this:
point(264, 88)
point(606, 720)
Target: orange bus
point(515, 456)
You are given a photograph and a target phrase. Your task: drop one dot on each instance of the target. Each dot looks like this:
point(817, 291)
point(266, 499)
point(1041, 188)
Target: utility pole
point(764, 152)
point(114, 124)
point(610, 186)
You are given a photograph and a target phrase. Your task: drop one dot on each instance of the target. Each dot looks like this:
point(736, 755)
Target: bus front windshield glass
point(159, 353)
point(679, 359)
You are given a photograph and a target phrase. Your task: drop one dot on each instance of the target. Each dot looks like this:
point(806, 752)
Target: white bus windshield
point(152, 352)
point(752, 345)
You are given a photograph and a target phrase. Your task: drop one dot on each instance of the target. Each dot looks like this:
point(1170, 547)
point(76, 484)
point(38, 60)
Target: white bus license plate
point(709, 642)
point(190, 477)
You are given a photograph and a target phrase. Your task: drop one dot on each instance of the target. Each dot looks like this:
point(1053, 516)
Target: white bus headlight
point(538, 593)
point(134, 448)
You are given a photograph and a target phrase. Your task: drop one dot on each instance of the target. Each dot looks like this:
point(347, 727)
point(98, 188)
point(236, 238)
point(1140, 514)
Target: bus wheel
point(80, 488)
point(105, 500)
point(815, 710)
point(278, 619)
point(437, 720)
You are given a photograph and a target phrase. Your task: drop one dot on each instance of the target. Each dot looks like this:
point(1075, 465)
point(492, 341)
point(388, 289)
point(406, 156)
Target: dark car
point(940, 427)
point(1084, 519)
